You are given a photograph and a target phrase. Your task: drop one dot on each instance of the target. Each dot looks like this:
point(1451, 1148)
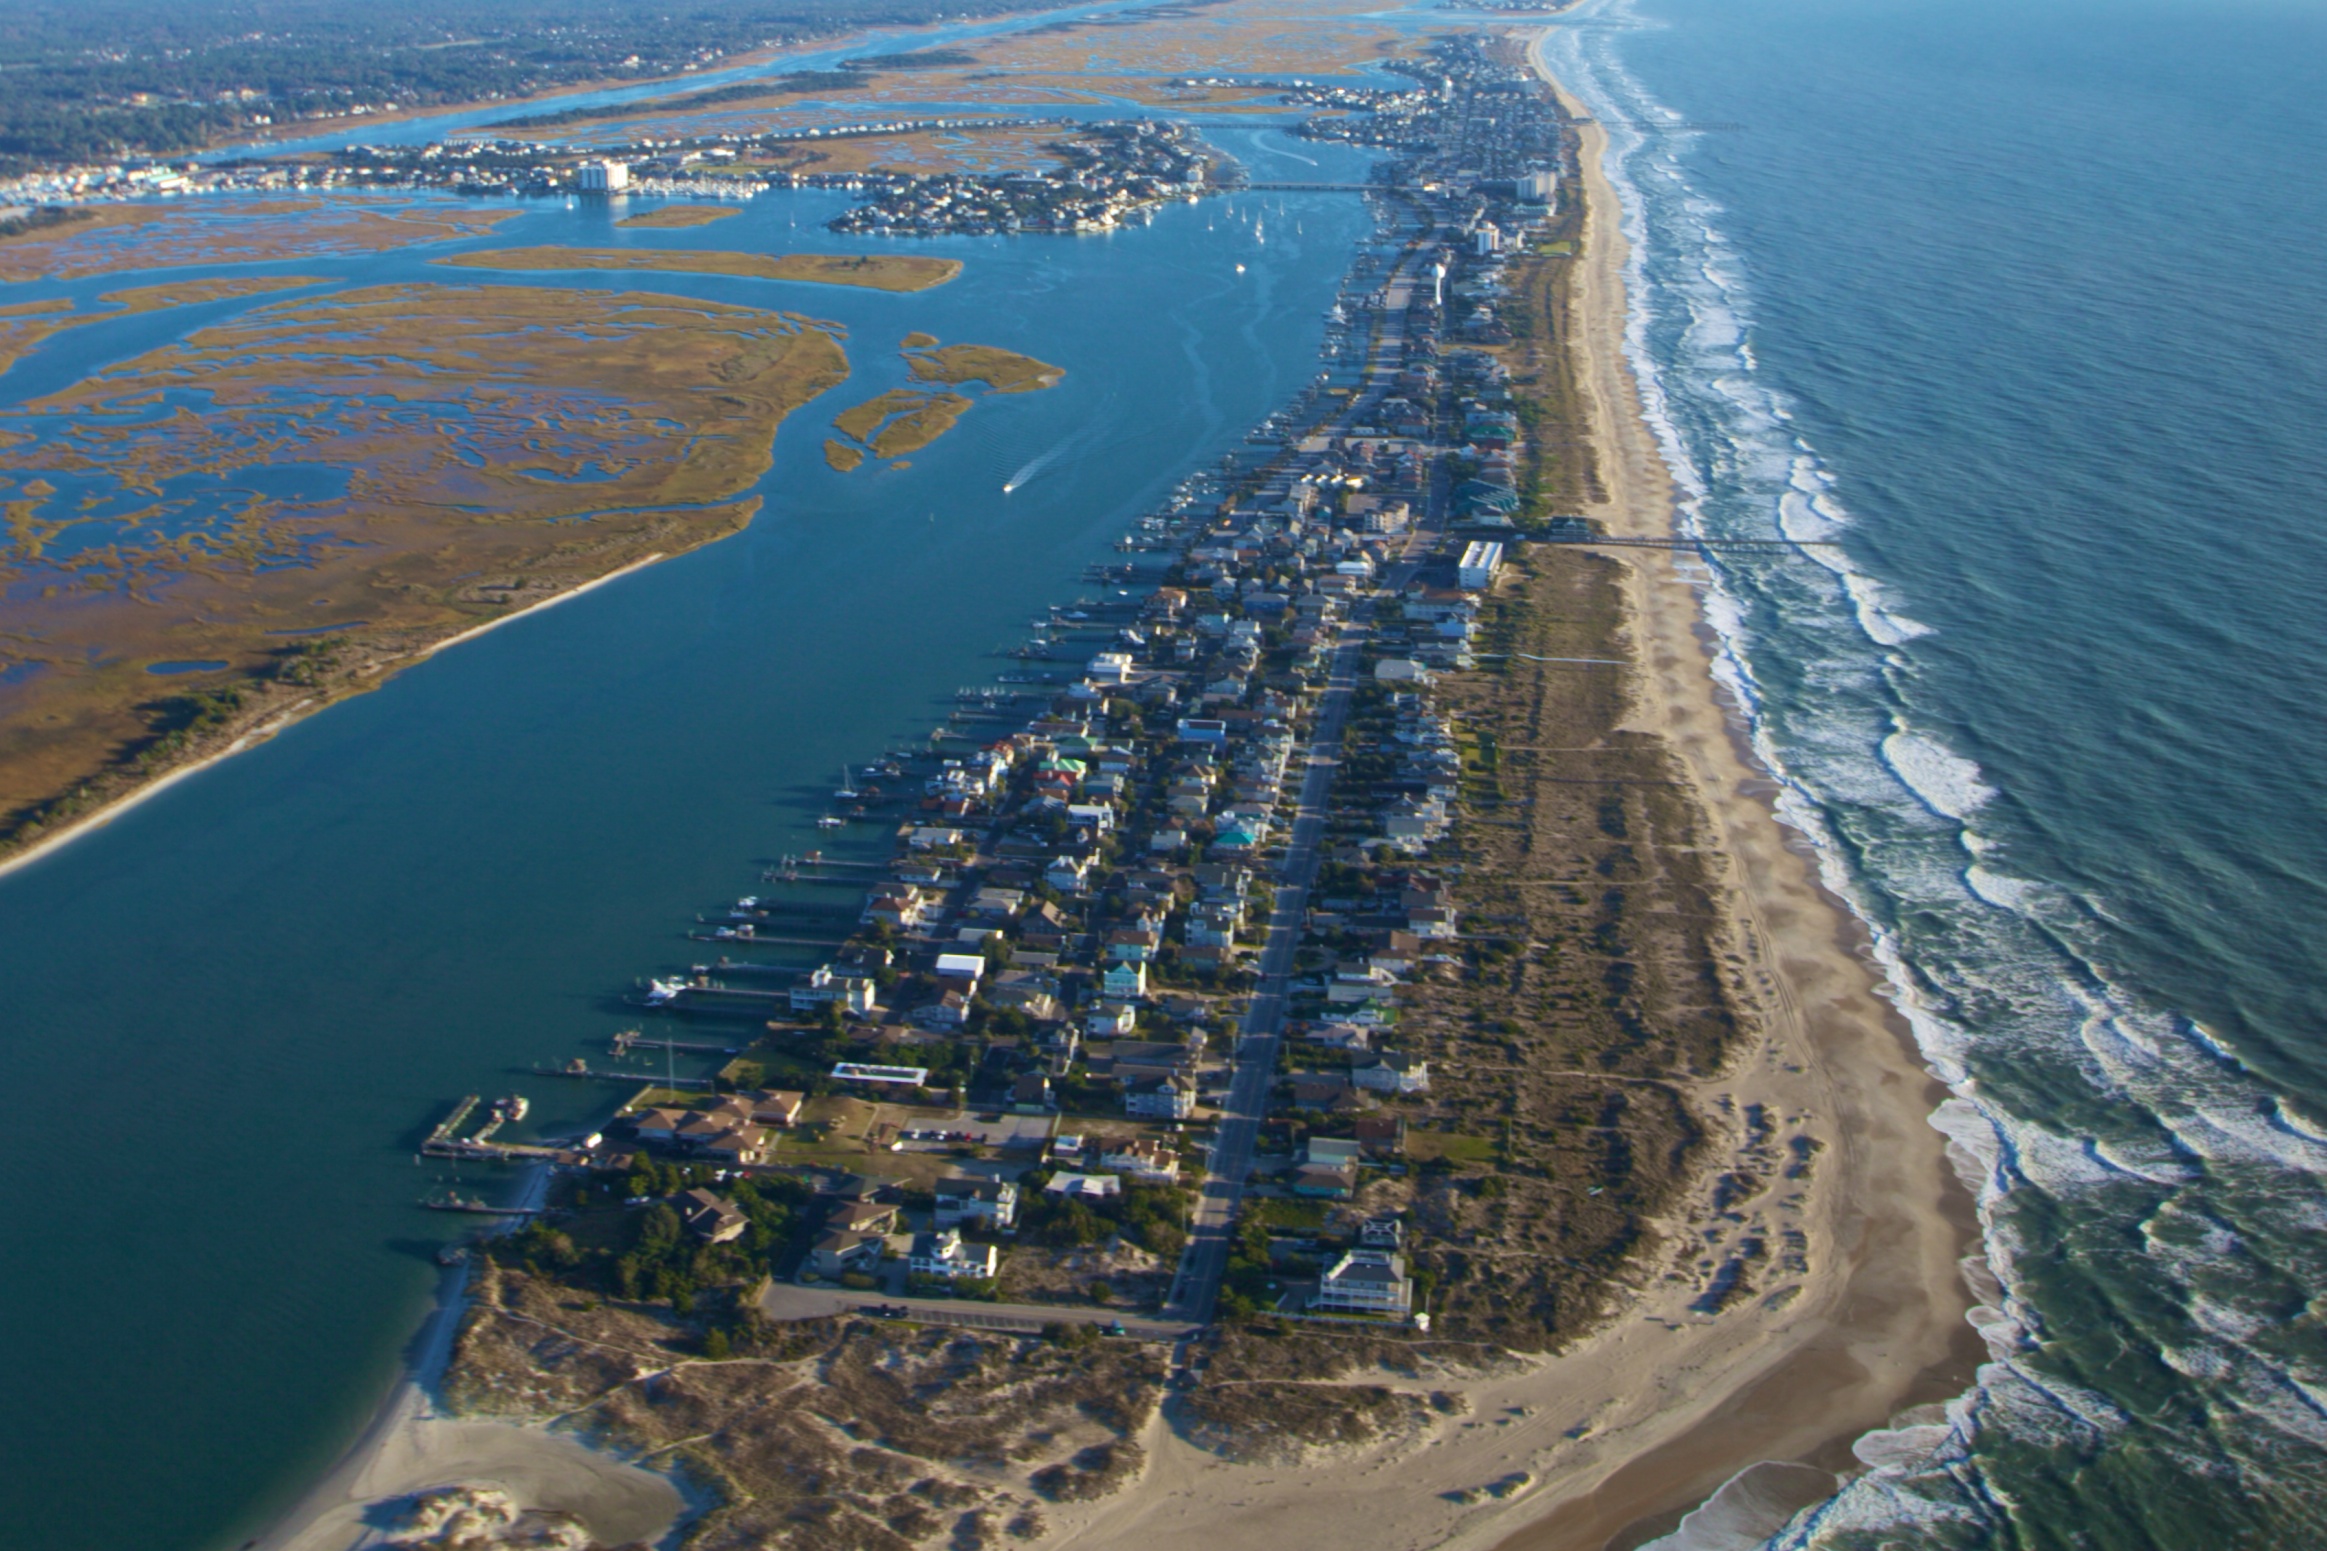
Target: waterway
point(233, 1013)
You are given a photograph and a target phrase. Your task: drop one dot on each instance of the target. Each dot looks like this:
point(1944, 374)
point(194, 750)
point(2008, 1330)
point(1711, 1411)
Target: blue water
point(231, 1015)
point(2024, 306)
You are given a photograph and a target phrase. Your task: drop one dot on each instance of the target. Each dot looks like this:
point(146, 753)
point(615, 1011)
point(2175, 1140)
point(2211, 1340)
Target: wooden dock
point(585, 1072)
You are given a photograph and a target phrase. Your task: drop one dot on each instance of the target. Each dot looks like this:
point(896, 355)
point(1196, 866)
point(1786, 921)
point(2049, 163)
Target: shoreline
point(298, 711)
point(1892, 1338)
point(408, 1446)
point(1616, 1439)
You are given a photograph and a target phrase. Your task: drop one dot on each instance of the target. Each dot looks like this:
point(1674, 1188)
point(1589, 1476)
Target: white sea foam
point(2005, 971)
point(2000, 889)
point(1878, 611)
point(1944, 780)
point(1743, 1513)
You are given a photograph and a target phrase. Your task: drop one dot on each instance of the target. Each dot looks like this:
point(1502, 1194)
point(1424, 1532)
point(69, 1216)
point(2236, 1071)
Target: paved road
point(784, 1300)
point(1196, 1287)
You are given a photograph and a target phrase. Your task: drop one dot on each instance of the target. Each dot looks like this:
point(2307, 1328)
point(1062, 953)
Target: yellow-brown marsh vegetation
point(112, 238)
point(672, 217)
point(471, 426)
point(876, 271)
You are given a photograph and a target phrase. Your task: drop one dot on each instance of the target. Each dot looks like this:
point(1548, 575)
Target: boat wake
point(1035, 467)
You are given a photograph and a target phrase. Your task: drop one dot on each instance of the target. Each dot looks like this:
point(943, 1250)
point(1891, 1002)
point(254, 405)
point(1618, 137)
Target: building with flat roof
point(1481, 559)
point(891, 1076)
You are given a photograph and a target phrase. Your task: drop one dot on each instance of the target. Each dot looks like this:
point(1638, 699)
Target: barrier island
point(407, 463)
point(876, 271)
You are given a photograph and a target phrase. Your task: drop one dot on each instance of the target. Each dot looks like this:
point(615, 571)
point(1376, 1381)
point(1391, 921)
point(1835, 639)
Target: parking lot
point(923, 1133)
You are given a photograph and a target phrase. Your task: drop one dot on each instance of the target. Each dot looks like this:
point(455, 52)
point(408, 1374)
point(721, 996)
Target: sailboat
point(848, 791)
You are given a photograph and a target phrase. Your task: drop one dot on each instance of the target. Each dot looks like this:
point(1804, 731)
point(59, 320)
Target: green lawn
point(1424, 1145)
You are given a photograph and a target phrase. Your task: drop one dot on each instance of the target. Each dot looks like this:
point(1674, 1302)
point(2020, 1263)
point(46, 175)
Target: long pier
point(583, 1071)
point(1747, 546)
point(479, 1208)
point(739, 940)
point(634, 1039)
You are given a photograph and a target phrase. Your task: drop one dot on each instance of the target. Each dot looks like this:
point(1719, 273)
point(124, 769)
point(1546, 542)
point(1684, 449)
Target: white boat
point(661, 993)
point(848, 791)
point(830, 822)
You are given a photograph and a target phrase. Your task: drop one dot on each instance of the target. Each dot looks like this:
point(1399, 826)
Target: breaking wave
point(2080, 1108)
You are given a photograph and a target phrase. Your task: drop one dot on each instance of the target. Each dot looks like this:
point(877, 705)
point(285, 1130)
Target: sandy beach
point(410, 1451)
point(1611, 1442)
point(410, 1448)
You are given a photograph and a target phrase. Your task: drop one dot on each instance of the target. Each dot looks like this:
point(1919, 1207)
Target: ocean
point(2013, 317)
point(232, 1015)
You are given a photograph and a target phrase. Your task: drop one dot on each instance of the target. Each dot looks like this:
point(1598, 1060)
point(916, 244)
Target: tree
point(659, 1230)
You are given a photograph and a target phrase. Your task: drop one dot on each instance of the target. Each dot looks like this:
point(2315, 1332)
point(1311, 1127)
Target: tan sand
point(408, 1449)
point(1614, 1439)
point(412, 1452)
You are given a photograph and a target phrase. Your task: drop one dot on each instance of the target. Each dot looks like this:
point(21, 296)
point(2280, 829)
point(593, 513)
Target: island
point(875, 271)
point(106, 239)
point(905, 420)
point(25, 324)
point(675, 217)
point(1345, 991)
